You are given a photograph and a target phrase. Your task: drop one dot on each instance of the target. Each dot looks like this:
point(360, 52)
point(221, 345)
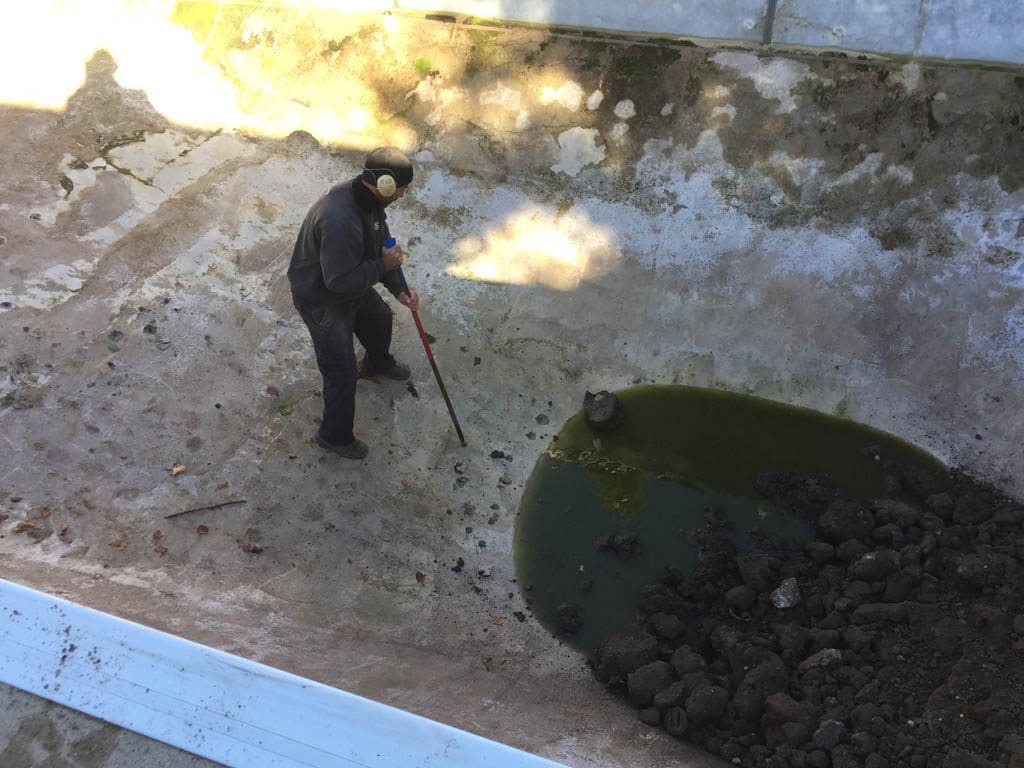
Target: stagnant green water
point(677, 450)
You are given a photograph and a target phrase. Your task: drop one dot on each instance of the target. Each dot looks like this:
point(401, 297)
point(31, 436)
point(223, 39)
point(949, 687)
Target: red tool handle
point(430, 357)
point(423, 334)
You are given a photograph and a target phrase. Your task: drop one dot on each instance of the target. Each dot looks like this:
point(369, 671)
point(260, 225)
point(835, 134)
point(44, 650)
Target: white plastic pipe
point(213, 704)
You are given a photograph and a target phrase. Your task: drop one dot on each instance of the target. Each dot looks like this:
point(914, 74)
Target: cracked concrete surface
point(841, 234)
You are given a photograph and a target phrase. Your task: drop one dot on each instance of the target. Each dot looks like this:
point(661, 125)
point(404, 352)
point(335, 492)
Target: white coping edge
point(214, 704)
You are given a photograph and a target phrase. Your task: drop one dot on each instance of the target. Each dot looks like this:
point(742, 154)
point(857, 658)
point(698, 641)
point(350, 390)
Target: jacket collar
point(365, 199)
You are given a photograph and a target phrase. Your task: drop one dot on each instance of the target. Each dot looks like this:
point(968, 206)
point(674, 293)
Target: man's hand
point(410, 299)
point(392, 257)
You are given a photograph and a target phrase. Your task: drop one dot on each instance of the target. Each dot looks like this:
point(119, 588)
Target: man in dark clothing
point(339, 256)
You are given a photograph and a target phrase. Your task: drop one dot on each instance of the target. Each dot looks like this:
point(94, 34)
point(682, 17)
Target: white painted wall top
point(985, 30)
point(214, 704)
point(730, 19)
point(990, 30)
point(887, 26)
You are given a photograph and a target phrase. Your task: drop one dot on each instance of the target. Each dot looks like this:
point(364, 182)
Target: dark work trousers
point(332, 327)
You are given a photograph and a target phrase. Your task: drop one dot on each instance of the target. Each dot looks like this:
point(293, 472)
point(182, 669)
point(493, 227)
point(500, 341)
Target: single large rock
point(822, 638)
point(706, 704)
point(619, 655)
point(899, 587)
point(666, 626)
point(875, 566)
point(787, 595)
point(782, 708)
point(828, 734)
point(695, 681)
point(673, 696)
point(823, 659)
point(652, 602)
point(766, 678)
point(744, 656)
point(852, 550)
point(819, 551)
point(844, 520)
point(685, 660)
point(890, 534)
point(741, 598)
point(865, 714)
point(645, 682)
point(675, 721)
point(758, 570)
point(603, 410)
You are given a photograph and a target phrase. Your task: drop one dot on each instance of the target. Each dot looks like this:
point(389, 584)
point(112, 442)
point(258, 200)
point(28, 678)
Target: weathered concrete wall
point(984, 30)
point(834, 233)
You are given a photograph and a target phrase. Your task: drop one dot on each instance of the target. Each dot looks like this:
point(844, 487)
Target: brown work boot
point(356, 450)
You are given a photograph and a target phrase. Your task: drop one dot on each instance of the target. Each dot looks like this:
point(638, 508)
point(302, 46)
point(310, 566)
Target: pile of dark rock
point(894, 638)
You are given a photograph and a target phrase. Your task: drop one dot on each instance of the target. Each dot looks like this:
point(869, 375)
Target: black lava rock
point(844, 520)
point(707, 703)
point(766, 678)
point(619, 655)
point(648, 680)
point(901, 651)
point(603, 410)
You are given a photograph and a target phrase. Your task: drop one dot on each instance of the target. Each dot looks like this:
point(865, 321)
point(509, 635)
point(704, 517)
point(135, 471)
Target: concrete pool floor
point(841, 234)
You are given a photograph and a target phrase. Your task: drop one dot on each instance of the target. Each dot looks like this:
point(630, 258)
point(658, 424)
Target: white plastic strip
point(213, 704)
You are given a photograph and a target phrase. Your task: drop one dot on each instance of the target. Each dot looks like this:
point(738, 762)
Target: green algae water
point(677, 450)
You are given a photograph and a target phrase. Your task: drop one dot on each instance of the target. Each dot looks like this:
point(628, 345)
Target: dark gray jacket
point(337, 253)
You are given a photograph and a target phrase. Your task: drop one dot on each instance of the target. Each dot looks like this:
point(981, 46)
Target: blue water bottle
point(391, 243)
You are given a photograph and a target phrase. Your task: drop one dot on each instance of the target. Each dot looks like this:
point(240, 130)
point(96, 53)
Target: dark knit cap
point(388, 160)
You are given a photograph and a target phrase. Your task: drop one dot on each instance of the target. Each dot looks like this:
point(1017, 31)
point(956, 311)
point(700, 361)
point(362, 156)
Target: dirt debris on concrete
point(894, 638)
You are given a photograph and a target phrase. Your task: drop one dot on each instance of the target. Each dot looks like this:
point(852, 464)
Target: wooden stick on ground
point(208, 506)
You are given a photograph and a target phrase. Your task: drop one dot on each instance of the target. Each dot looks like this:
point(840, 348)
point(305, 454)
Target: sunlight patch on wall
point(256, 69)
point(537, 247)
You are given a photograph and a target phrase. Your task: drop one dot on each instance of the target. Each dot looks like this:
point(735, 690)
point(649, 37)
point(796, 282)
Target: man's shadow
point(102, 114)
